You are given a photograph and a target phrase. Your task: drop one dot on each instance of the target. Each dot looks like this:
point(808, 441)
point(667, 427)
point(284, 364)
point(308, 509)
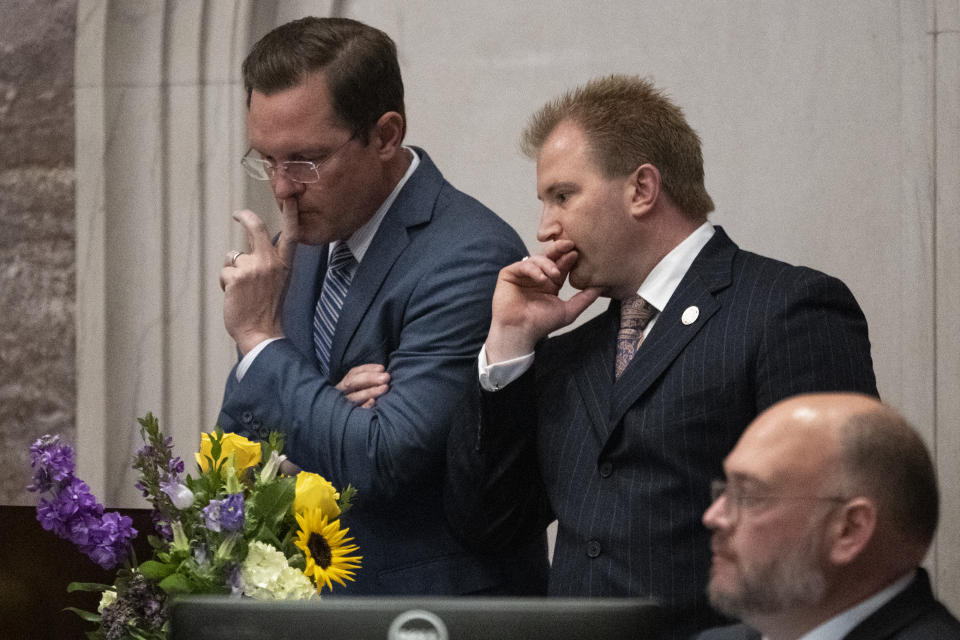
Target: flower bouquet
point(240, 528)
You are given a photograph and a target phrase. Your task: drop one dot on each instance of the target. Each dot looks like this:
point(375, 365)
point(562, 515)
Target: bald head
point(854, 445)
point(829, 499)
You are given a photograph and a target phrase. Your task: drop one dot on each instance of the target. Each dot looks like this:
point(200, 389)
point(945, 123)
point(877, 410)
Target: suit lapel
point(594, 377)
point(413, 206)
point(887, 621)
point(309, 265)
point(709, 273)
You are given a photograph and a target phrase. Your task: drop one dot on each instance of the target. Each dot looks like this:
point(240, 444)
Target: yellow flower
point(245, 453)
point(315, 492)
point(327, 551)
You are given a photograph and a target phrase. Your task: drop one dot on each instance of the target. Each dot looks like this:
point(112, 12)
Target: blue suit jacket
point(625, 466)
point(419, 304)
point(914, 614)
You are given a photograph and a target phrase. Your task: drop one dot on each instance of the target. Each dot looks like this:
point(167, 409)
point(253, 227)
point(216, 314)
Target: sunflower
point(326, 548)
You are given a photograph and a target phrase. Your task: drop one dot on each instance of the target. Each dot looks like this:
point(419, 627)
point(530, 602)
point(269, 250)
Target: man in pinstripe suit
point(621, 448)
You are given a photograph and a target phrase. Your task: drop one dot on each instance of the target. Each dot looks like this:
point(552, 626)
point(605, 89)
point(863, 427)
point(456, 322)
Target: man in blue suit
point(829, 505)
point(359, 326)
point(617, 428)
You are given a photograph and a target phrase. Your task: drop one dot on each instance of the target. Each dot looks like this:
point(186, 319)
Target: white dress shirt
point(656, 289)
point(839, 626)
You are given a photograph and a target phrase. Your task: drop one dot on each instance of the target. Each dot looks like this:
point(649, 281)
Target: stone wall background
point(37, 234)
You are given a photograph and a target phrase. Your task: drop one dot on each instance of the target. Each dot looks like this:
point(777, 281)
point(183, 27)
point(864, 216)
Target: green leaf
point(156, 570)
point(88, 616)
point(87, 586)
point(156, 542)
point(271, 502)
point(346, 498)
point(274, 442)
point(216, 443)
point(175, 583)
point(266, 534)
point(144, 634)
point(150, 424)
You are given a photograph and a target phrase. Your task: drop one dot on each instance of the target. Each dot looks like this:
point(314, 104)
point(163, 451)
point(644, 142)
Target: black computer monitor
point(417, 618)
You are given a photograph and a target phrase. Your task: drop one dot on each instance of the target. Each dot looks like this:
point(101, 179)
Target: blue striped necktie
point(334, 292)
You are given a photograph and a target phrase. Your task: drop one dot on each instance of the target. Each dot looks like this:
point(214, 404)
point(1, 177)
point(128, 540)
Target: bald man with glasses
point(829, 505)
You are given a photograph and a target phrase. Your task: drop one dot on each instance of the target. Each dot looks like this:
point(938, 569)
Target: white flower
point(271, 466)
point(180, 495)
point(267, 576)
point(106, 599)
point(180, 541)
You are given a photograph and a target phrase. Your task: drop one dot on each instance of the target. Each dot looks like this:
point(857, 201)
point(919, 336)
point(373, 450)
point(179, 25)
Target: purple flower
point(73, 502)
point(211, 515)
point(116, 618)
point(71, 511)
point(53, 463)
point(179, 493)
point(49, 516)
point(235, 582)
point(76, 497)
point(109, 539)
point(231, 512)
point(160, 480)
point(115, 526)
point(161, 524)
point(226, 514)
point(82, 529)
point(139, 603)
point(175, 466)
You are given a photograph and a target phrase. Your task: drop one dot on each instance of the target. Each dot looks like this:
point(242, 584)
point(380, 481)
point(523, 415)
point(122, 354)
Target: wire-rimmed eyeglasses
point(304, 171)
point(735, 502)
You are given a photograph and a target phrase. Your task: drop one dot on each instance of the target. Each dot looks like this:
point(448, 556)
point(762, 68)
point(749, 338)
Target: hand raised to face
point(526, 304)
point(255, 282)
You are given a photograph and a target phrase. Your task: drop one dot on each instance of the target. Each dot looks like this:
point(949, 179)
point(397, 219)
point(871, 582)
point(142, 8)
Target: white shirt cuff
point(496, 376)
point(250, 357)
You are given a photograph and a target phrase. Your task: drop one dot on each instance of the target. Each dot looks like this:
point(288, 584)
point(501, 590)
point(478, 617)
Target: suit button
point(593, 549)
point(606, 469)
point(246, 417)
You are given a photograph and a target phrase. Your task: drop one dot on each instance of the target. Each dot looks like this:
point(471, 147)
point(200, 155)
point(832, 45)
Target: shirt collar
point(840, 625)
point(660, 284)
point(360, 241)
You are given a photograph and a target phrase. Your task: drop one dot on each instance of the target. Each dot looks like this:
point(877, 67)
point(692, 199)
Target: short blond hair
point(629, 123)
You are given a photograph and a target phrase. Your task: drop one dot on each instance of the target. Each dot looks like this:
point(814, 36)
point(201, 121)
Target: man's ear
point(643, 189)
point(852, 530)
point(387, 134)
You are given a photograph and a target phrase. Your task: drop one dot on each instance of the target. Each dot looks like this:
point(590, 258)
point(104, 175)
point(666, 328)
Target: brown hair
point(630, 123)
point(884, 457)
point(359, 62)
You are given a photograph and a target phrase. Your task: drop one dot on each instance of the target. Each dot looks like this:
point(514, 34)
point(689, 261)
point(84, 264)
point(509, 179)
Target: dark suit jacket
point(626, 465)
point(914, 614)
point(419, 304)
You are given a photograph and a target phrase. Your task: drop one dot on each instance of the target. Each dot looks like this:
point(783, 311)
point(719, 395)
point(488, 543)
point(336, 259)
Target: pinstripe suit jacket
point(625, 465)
